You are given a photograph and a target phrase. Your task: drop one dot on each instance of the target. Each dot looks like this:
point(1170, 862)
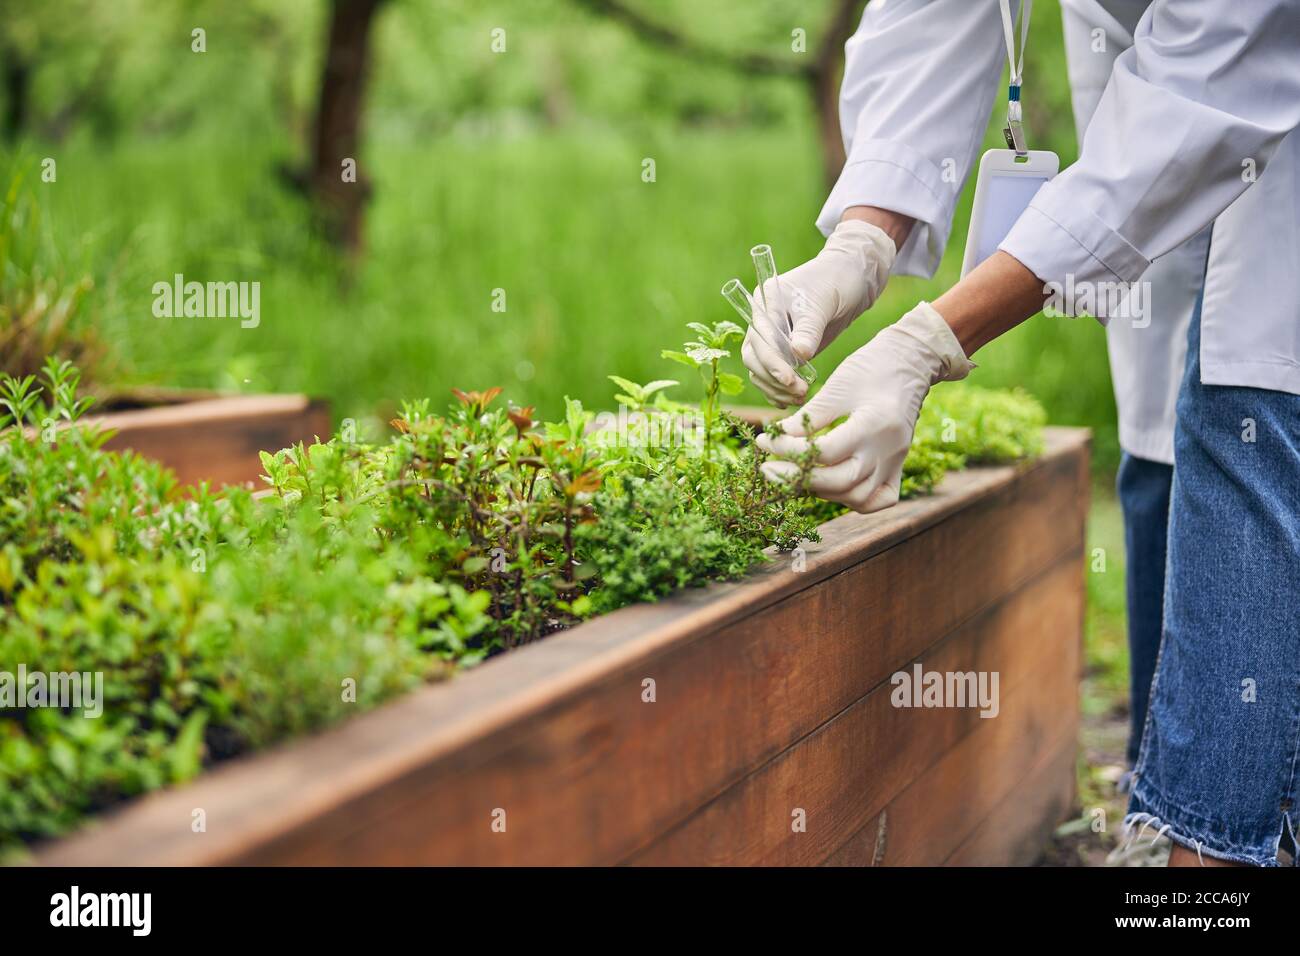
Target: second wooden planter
point(757, 722)
point(215, 438)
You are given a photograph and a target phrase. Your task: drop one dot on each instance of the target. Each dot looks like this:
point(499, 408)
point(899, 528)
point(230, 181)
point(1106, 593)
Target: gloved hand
point(823, 296)
point(880, 387)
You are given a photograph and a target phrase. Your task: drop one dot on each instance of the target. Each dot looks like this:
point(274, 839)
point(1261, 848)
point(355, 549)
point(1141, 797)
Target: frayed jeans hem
point(1148, 809)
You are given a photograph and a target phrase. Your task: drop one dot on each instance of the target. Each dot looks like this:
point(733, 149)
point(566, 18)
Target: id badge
point(1004, 187)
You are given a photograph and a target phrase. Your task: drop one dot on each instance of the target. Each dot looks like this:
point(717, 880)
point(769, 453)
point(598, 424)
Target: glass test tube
point(780, 319)
point(734, 292)
point(769, 287)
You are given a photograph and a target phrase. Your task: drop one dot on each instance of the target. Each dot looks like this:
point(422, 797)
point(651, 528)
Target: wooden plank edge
point(205, 411)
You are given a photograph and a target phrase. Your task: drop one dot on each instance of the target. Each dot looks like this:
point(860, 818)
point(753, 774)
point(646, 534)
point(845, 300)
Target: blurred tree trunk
point(822, 77)
point(56, 127)
point(17, 83)
point(339, 203)
point(824, 84)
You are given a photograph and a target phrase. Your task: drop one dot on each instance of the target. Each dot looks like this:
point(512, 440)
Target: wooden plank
point(1001, 752)
point(844, 773)
point(557, 735)
point(218, 440)
point(867, 847)
point(138, 397)
point(1017, 829)
point(1013, 831)
point(995, 763)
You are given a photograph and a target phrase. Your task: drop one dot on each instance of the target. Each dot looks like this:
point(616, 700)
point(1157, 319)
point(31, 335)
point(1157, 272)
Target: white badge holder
point(1004, 187)
point(1008, 179)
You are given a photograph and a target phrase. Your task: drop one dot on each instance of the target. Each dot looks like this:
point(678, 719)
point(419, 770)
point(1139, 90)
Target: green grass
point(1105, 634)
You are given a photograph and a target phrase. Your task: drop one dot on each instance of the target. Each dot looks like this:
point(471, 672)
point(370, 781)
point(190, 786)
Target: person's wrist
point(894, 224)
point(997, 295)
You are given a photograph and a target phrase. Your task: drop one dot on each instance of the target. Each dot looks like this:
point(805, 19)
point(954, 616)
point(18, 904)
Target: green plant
point(705, 354)
point(42, 313)
point(962, 424)
point(221, 622)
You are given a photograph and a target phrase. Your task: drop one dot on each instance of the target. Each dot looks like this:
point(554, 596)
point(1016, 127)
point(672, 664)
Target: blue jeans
point(1217, 769)
point(1143, 487)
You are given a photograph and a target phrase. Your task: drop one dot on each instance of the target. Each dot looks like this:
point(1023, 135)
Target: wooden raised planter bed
point(772, 695)
point(205, 436)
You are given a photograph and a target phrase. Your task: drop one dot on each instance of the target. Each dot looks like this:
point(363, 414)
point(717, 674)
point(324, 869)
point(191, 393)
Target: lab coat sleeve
point(1192, 114)
point(920, 77)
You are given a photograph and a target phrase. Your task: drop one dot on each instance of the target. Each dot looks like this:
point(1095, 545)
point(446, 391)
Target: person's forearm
point(894, 224)
point(998, 295)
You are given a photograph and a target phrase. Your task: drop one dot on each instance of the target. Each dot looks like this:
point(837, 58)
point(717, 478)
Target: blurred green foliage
point(518, 171)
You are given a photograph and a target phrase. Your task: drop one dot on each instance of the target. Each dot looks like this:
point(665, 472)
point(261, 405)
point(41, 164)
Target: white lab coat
point(1147, 356)
point(1202, 102)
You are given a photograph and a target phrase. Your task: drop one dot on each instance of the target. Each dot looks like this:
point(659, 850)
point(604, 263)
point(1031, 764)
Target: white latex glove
point(823, 296)
point(880, 387)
